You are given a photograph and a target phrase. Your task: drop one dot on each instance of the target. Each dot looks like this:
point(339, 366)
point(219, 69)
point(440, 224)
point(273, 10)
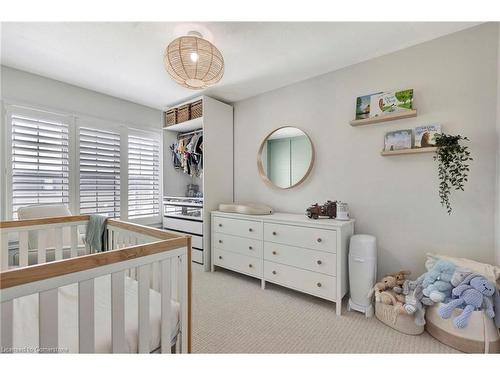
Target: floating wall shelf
point(409, 151)
point(389, 117)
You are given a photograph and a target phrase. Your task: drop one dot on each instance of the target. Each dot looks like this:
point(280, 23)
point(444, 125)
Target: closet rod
point(181, 135)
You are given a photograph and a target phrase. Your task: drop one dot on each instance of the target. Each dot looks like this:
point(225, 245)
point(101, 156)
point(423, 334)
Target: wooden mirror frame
point(260, 167)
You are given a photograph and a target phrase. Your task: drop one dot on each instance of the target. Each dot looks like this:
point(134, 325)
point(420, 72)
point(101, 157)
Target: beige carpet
point(231, 314)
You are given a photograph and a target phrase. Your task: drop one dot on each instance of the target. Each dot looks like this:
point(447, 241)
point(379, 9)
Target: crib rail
point(153, 257)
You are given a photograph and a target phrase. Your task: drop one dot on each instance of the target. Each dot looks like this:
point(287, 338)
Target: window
point(143, 177)
point(99, 172)
point(40, 160)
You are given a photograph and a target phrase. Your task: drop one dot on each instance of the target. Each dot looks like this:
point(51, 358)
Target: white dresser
point(286, 249)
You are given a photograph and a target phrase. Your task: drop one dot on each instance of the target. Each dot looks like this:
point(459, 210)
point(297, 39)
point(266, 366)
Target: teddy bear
point(436, 282)
point(389, 297)
point(474, 293)
point(400, 277)
point(387, 283)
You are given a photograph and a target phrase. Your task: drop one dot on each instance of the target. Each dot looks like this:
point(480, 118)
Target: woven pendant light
point(194, 62)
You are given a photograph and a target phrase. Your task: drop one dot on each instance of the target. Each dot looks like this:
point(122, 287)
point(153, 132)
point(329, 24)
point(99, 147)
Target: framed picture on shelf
point(391, 102)
point(398, 140)
point(424, 135)
point(363, 106)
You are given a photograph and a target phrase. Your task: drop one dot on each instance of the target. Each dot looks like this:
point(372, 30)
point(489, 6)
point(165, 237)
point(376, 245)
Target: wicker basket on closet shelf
point(183, 113)
point(196, 109)
point(171, 117)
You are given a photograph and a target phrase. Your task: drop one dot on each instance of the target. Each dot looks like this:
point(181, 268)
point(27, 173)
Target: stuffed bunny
point(474, 293)
point(413, 301)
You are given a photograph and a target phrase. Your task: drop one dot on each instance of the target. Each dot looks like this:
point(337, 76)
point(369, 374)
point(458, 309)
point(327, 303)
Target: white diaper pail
point(362, 272)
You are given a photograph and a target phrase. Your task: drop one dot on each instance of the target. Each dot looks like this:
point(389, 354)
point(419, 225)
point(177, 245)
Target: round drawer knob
point(220, 256)
point(274, 272)
point(319, 262)
point(274, 252)
point(250, 229)
point(250, 265)
point(220, 225)
point(220, 241)
point(319, 240)
point(274, 233)
point(250, 248)
point(318, 285)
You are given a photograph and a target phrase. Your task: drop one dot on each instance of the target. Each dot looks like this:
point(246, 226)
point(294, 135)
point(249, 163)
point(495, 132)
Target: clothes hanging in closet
point(187, 154)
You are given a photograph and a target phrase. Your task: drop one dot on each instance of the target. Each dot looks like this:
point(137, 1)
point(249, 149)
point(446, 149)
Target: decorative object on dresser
point(285, 157)
point(328, 209)
point(286, 249)
point(342, 211)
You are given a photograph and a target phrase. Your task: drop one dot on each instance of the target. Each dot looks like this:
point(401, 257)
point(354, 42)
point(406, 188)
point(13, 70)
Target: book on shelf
point(425, 135)
point(398, 140)
point(391, 102)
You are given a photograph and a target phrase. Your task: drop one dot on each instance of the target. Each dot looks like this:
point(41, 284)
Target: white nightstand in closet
point(287, 249)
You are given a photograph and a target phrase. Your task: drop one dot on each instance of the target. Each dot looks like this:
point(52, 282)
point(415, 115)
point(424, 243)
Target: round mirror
point(285, 157)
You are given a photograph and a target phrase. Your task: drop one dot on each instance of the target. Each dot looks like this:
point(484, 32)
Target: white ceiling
point(126, 59)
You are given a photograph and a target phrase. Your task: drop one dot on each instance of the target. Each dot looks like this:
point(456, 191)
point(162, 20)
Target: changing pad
point(246, 208)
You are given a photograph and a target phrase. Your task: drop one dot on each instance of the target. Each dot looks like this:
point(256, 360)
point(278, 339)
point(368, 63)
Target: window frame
point(74, 122)
point(11, 111)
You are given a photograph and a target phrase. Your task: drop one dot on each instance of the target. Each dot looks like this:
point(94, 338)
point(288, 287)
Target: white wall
point(497, 222)
point(394, 198)
point(28, 89)
point(37, 90)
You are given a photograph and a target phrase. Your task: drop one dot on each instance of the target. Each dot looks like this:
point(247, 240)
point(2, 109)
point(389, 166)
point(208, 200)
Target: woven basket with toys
point(398, 306)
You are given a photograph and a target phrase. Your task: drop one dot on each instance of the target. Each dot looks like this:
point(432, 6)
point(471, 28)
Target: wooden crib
point(154, 264)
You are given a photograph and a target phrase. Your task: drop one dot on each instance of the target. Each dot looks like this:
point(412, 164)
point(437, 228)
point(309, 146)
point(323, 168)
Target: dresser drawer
point(305, 281)
point(188, 226)
point(237, 262)
point(310, 238)
point(236, 227)
point(197, 256)
point(241, 245)
point(312, 260)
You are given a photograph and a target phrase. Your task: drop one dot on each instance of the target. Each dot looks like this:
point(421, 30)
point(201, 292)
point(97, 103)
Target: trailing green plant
point(453, 167)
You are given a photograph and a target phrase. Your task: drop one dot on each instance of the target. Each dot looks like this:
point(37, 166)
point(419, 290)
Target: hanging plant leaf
point(452, 158)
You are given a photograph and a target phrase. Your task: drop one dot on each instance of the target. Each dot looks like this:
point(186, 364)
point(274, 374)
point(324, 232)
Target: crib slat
point(166, 296)
point(86, 318)
point(74, 241)
point(48, 315)
point(7, 324)
point(58, 237)
point(23, 249)
point(143, 291)
point(42, 246)
point(4, 250)
point(118, 312)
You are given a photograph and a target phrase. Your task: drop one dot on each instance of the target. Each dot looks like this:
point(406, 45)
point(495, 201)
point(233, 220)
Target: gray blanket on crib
point(96, 229)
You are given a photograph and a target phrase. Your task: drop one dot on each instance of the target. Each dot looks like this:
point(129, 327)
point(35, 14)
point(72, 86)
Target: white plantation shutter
point(99, 172)
point(40, 160)
point(143, 177)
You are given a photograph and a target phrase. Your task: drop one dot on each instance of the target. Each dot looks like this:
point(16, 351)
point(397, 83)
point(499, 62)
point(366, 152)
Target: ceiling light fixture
point(194, 62)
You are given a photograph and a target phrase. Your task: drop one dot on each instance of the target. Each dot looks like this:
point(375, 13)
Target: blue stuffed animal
point(436, 282)
point(473, 293)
